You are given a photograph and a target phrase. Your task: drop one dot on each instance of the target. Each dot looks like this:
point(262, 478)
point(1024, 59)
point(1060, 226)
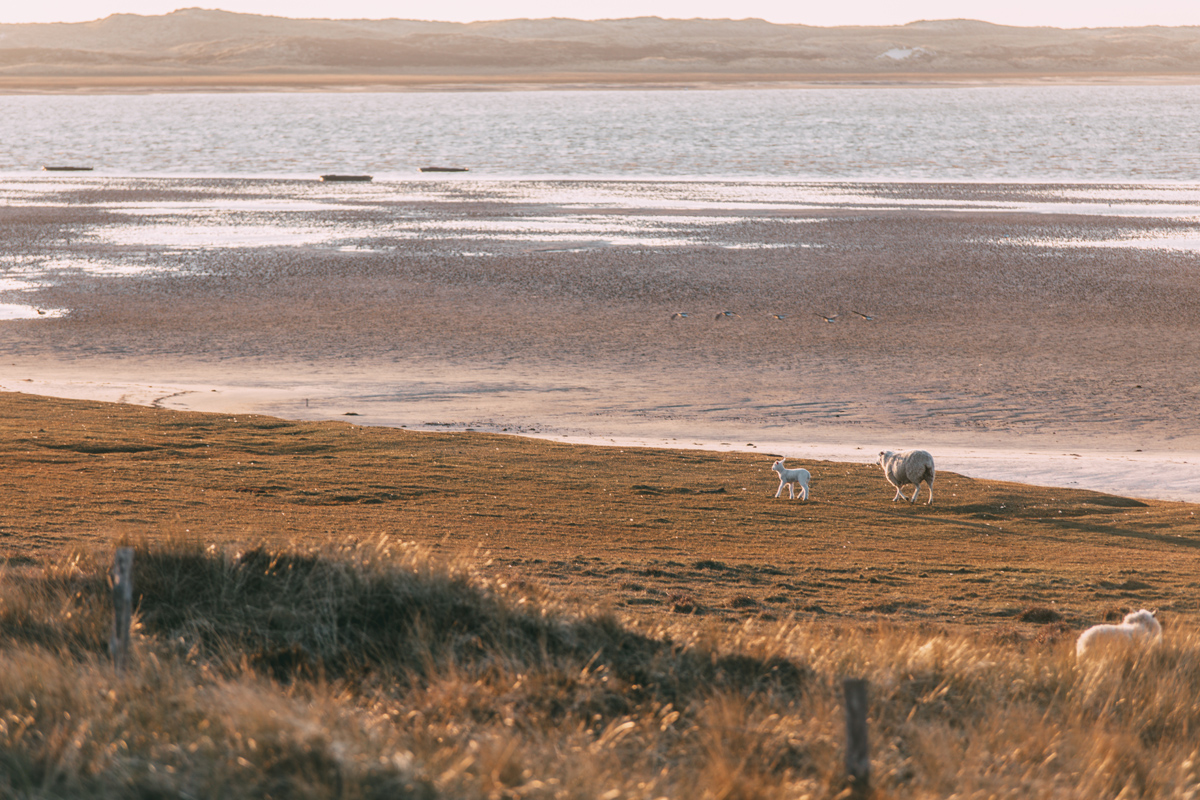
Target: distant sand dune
point(194, 47)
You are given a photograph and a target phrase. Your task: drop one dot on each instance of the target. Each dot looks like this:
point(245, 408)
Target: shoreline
point(584, 81)
point(1158, 475)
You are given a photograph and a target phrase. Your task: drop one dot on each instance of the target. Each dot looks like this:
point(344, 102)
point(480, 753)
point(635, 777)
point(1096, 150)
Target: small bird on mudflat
point(680, 315)
point(861, 314)
point(826, 317)
point(777, 316)
point(728, 314)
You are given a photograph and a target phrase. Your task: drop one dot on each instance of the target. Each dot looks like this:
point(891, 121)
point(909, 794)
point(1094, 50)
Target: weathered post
point(858, 754)
point(121, 579)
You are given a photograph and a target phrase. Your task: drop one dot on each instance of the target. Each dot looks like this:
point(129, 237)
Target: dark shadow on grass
point(1175, 541)
point(297, 615)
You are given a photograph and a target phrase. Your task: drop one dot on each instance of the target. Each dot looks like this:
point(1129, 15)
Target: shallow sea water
point(994, 133)
point(540, 214)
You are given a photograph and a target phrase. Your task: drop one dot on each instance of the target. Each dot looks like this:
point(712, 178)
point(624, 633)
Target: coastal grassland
point(650, 531)
point(378, 670)
point(325, 609)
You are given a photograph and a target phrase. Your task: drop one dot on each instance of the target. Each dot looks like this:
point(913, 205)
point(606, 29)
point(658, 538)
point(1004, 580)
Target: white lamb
point(1138, 628)
point(787, 477)
point(908, 467)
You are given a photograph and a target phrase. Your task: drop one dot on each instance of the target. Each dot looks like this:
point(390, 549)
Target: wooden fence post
point(858, 753)
point(121, 580)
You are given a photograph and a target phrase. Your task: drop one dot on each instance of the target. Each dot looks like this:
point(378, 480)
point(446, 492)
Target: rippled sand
point(1014, 319)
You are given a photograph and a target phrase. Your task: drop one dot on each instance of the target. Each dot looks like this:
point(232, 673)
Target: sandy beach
point(1031, 333)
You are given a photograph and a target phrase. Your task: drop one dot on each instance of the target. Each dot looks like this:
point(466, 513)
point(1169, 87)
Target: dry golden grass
point(377, 671)
point(318, 616)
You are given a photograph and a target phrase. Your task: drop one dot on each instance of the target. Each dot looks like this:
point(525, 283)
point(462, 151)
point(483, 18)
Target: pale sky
point(1056, 13)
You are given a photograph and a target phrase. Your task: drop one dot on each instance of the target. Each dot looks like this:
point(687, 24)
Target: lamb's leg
point(779, 491)
point(804, 492)
point(791, 491)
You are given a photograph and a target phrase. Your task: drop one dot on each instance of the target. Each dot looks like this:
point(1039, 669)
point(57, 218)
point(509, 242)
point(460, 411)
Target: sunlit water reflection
point(488, 217)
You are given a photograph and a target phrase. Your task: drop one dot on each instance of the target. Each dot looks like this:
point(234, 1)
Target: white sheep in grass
point(1138, 628)
point(788, 477)
point(908, 467)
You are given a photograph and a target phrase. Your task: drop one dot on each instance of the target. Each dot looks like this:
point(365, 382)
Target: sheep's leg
point(779, 491)
point(899, 495)
point(791, 492)
point(804, 492)
point(930, 485)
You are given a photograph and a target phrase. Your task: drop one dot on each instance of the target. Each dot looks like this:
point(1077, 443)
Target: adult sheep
point(1138, 628)
point(908, 467)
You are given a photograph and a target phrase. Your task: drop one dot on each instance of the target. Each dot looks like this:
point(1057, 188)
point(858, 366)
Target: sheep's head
point(1143, 619)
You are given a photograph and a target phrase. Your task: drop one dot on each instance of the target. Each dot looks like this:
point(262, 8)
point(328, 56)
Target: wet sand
point(1008, 334)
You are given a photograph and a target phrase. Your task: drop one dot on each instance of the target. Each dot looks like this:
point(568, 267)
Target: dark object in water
point(62, 168)
point(443, 169)
point(345, 177)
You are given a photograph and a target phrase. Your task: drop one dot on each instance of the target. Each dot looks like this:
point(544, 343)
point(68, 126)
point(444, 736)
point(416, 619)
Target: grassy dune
point(375, 670)
point(331, 611)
